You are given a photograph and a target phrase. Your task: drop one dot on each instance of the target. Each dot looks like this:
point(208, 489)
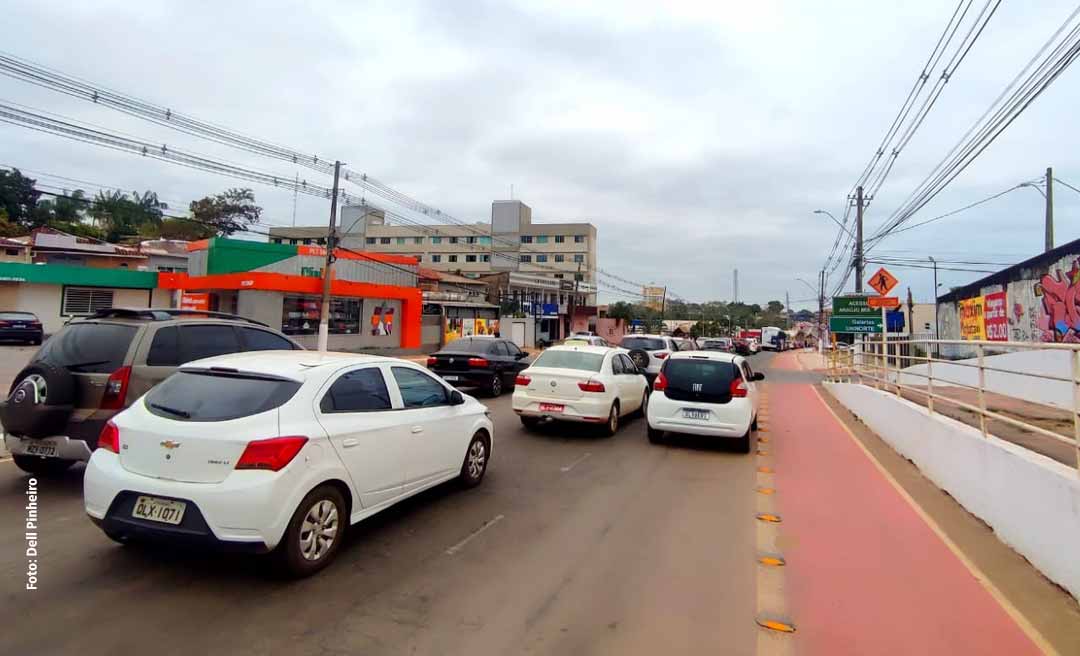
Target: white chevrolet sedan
point(281, 451)
point(581, 383)
point(705, 393)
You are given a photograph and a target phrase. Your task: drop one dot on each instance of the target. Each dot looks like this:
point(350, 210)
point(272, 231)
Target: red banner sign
point(996, 317)
point(199, 302)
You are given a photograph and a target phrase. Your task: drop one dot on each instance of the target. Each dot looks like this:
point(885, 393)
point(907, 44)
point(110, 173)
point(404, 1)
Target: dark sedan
point(21, 326)
point(489, 363)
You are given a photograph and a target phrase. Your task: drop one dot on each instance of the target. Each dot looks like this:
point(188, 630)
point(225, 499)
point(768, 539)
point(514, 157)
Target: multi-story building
point(541, 269)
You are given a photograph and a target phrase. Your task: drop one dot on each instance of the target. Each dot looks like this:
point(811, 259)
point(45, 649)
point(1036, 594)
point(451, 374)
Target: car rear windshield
point(570, 360)
point(17, 316)
point(643, 343)
point(469, 345)
point(191, 395)
point(704, 381)
point(95, 348)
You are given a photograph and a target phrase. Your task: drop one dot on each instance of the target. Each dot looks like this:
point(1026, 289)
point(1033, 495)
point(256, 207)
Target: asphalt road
point(598, 545)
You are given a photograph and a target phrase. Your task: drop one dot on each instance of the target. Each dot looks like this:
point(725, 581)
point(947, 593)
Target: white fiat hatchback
point(592, 384)
point(705, 393)
point(281, 451)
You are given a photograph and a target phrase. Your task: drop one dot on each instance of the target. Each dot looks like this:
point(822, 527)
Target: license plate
point(451, 378)
point(19, 325)
point(689, 413)
point(551, 407)
point(47, 450)
point(165, 511)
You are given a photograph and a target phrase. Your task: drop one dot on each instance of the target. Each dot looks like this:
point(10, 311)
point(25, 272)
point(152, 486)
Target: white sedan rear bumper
point(592, 409)
point(730, 419)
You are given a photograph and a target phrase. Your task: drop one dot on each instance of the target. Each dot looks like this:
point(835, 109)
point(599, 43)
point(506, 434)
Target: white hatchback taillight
point(272, 454)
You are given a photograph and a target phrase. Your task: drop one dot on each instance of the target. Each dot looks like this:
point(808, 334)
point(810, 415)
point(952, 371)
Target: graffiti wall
point(1034, 301)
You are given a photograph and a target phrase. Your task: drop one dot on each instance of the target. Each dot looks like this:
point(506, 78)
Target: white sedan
point(281, 451)
point(580, 383)
point(706, 393)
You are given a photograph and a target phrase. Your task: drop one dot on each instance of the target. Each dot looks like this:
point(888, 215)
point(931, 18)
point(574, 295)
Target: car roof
point(650, 336)
point(291, 364)
point(585, 348)
point(719, 356)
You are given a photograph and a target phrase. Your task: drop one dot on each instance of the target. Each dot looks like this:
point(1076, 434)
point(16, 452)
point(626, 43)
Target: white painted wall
point(1031, 501)
point(1044, 362)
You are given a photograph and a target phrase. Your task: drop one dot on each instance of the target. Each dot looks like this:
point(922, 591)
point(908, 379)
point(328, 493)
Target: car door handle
point(349, 443)
point(417, 429)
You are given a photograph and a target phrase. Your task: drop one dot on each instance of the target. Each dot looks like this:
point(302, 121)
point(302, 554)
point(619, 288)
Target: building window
point(559, 239)
point(307, 242)
point(560, 258)
point(485, 258)
point(300, 315)
point(453, 240)
point(526, 239)
point(436, 240)
point(293, 241)
point(384, 240)
point(485, 240)
point(579, 258)
point(452, 258)
point(436, 258)
point(541, 239)
point(470, 240)
point(275, 240)
point(579, 239)
point(559, 276)
point(418, 240)
point(369, 241)
point(526, 258)
point(470, 258)
point(400, 241)
point(541, 258)
point(85, 300)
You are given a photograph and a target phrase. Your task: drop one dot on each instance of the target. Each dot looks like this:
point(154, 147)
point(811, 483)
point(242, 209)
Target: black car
point(21, 326)
point(489, 363)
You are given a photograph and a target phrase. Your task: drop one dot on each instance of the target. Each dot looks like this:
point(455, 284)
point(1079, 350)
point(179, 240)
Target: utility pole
point(1049, 209)
point(735, 287)
point(787, 308)
point(858, 240)
point(663, 309)
point(331, 242)
point(821, 310)
point(573, 299)
point(937, 350)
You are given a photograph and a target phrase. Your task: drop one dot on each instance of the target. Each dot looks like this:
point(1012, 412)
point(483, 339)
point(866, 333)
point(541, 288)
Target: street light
point(812, 288)
point(1033, 186)
point(837, 222)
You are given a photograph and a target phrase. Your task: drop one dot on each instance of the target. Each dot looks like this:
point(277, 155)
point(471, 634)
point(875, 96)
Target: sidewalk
point(866, 573)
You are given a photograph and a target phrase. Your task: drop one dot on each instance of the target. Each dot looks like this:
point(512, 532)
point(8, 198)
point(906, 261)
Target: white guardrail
point(1047, 376)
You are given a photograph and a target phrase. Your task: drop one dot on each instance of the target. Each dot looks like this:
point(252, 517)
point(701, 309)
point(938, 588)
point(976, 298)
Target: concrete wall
point(525, 336)
point(261, 306)
point(1048, 362)
point(45, 301)
point(1030, 501)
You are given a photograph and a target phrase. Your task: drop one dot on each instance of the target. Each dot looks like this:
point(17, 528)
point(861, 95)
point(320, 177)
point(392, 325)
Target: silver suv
point(95, 367)
point(649, 351)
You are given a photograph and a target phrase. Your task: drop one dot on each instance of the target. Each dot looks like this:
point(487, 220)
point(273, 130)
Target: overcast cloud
point(697, 137)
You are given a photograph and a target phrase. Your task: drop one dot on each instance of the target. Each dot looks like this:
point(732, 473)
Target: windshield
point(644, 343)
point(570, 360)
point(89, 347)
point(204, 396)
point(17, 316)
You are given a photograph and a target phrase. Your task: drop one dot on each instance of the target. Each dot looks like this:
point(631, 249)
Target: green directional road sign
point(856, 324)
point(853, 306)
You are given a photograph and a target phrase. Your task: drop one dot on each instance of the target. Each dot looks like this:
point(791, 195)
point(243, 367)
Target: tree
point(775, 307)
point(18, 197)
point(120, 216)
point(62, 209)
point(182, 229)
point(7, 228)
point(231, 211)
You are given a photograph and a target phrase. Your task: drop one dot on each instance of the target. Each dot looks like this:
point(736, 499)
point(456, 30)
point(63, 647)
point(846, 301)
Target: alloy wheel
point(319, 530)
point(477, 458)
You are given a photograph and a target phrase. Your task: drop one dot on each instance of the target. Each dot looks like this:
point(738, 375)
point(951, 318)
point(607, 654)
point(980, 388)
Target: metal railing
point(912, 368)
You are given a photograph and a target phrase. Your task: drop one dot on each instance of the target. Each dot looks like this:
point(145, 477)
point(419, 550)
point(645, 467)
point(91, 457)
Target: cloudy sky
point(697, 136)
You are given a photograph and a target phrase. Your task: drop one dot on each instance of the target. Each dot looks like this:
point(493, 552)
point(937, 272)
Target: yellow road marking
point(765, 470)
point(1027, 627)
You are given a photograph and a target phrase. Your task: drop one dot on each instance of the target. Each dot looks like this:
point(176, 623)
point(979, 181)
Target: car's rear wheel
point(644, 409)
point(476, 460)
point(42, 466)
point(611, 426)
point(743, 443)
point(495, 386)
point(315, 532)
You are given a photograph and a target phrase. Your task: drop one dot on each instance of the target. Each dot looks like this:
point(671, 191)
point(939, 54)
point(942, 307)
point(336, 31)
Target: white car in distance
point(583, 384)
point(281, 451)
point(706, 393)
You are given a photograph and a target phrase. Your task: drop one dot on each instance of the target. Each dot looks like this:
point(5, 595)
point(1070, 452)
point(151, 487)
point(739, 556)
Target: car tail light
point(479, 362)
point(591, 386)
point(660, 384)
point(109, 439)
point(738, 388)
point(432, 360)
point(116, 389)
point(660, 355)
point(522, 381)
point(272, 454)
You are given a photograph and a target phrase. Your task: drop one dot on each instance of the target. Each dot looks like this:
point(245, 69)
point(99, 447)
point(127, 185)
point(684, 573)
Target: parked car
point(585, 340)
point(715, 344)
point(687, 343)
point(480, 361)
point(754, 345)
point(583, 384)
point(21, 326)
point(93, 368)
point(648, 352)
point(281, 451)
point(705, 393)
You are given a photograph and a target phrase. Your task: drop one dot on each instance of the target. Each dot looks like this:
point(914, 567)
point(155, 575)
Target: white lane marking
point(7, 459)
point(574, 464)
point(461, 545)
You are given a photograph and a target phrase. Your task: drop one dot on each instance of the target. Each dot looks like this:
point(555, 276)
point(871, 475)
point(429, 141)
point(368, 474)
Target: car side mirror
point(521, 355)
point(456, 398)
point(759, 376)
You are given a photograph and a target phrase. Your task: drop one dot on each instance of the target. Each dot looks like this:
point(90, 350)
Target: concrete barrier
point(1031, 502)
point(1046, 362)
